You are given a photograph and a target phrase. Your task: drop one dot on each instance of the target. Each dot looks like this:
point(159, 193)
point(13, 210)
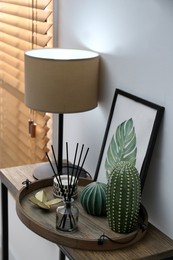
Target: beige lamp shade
point(61, 80)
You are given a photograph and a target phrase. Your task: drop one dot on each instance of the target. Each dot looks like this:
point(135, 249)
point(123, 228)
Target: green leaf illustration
point(122, 146)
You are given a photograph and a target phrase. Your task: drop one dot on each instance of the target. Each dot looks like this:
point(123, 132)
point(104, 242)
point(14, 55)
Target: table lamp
point(60, 81)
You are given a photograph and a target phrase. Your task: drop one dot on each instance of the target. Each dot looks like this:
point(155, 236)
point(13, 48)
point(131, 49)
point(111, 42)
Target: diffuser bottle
point(67, 216)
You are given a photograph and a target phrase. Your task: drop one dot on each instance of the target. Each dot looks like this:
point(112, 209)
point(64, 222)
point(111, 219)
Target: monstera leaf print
point(122, 146)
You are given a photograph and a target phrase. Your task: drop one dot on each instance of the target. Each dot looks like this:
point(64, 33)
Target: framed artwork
point(130, 135)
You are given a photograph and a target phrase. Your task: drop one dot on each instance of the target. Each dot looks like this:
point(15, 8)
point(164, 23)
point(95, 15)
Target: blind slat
point(24, 23)
point(14, 92)
point(23, 34)
point(39, 15)
point(39, 4)
point(12, 51)
point(13, 83)
point(12, 61)
point(40, 40)
point(12, 41)
point(13, 72)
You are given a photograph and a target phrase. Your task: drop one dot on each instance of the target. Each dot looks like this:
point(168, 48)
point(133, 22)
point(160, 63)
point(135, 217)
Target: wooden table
point(155, 244)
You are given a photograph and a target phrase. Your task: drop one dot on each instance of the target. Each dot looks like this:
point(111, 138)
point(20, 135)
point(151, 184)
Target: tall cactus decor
point(123, 196)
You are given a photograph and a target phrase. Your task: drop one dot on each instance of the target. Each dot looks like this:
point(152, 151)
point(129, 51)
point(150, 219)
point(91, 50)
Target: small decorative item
point(40, 199)
point(67, 215)
point(123, 198)
point(57, 189)
point(93, 198)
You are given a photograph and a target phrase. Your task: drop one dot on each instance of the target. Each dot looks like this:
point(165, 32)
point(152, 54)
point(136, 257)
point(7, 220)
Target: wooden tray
point(90, 228)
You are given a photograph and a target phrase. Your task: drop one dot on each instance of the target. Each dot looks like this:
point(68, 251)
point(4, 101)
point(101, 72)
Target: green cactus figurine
point(93, 198)
point(123, 198)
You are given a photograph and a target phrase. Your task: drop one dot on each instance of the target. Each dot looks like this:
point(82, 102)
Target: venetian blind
point(24, 25)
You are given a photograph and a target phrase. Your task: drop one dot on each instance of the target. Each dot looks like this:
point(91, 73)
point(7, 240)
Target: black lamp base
point(44, 171)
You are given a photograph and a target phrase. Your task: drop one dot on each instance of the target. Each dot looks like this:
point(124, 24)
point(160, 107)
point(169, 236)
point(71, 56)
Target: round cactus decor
point(123, 198)
point(93, 198)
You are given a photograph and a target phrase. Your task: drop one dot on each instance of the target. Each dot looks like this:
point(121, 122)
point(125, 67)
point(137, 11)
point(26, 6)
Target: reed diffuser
point(67, 215)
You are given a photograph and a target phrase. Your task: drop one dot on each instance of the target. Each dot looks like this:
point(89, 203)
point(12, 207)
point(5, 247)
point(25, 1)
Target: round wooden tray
point(90, 228)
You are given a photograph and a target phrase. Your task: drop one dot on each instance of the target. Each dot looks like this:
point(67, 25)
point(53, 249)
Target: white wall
point(135, 42)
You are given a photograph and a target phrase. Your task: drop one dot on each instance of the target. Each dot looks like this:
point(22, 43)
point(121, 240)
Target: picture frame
point(140, 120)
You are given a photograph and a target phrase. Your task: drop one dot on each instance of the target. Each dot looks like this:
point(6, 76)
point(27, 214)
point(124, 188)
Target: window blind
point(24, 25)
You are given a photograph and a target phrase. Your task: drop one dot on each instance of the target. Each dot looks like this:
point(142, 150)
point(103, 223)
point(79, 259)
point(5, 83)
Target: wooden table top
point(154, 245)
